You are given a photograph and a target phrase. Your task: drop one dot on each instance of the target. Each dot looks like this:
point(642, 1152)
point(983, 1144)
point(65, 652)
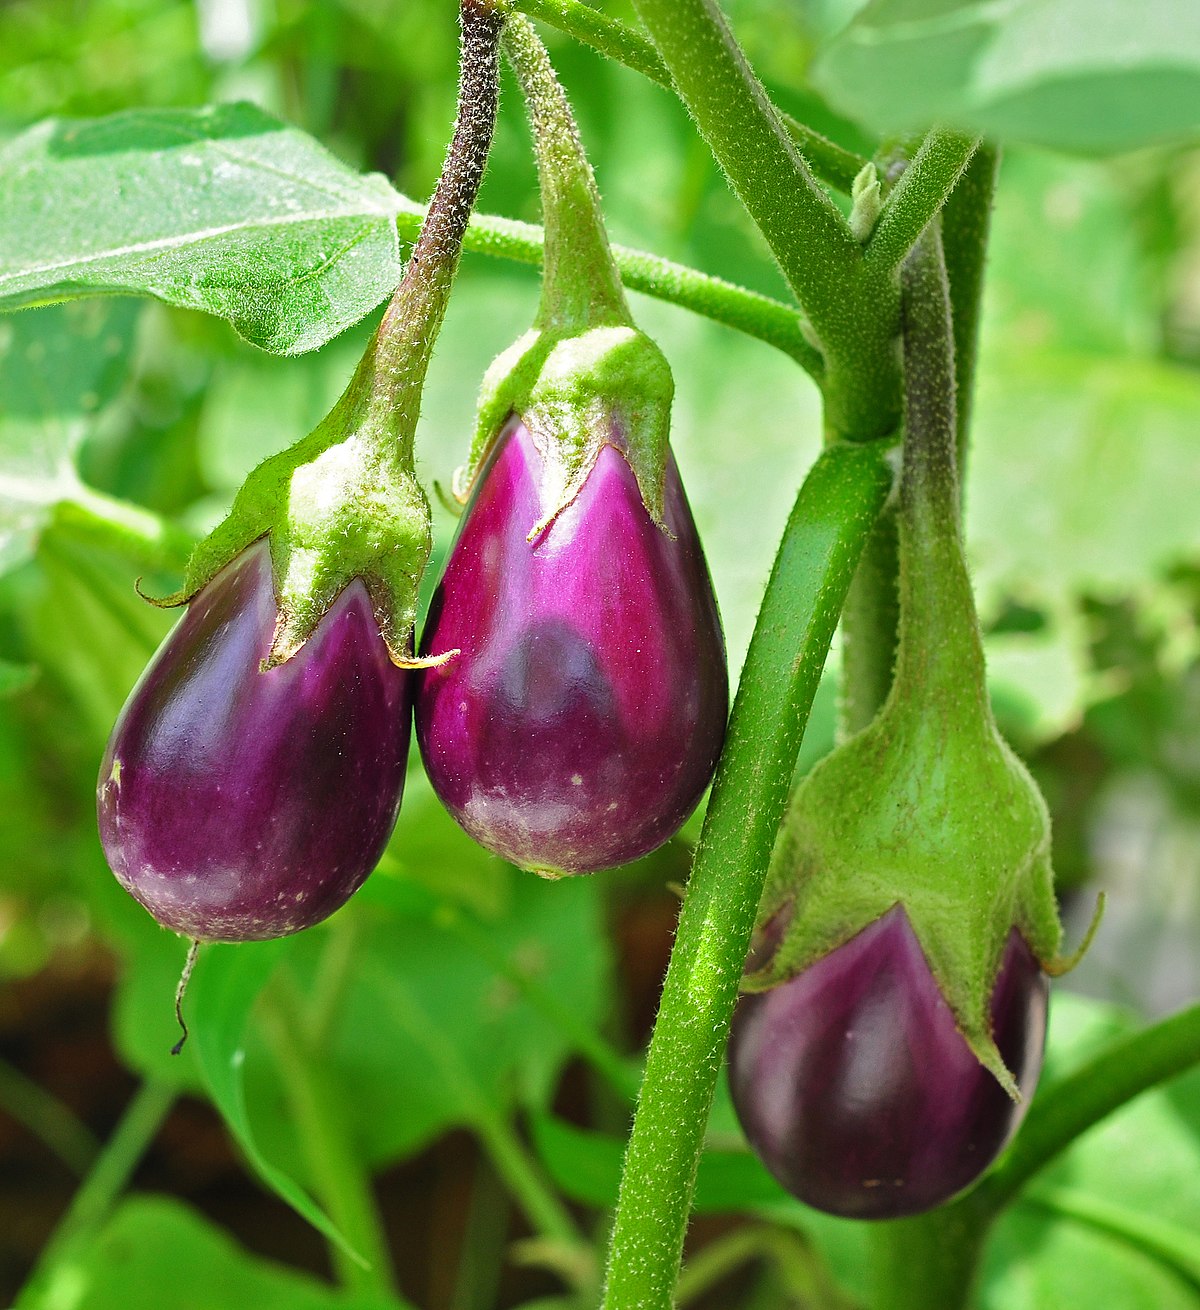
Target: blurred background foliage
point(1083, 534)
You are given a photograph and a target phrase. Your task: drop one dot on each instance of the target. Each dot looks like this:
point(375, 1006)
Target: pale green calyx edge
point(338, 505)
point(584, 377)
point(608, 385)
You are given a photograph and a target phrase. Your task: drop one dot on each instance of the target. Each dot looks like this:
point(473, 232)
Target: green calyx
point(344, 503)
point(576, 394)
point(584, 377)
point(341, 504)
point(927, 807)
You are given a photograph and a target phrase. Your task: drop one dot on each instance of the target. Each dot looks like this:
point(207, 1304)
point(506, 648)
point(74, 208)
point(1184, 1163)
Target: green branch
point(1067, 1109)
point(829, 523)
point(916, 198)
point(755, 315)
point(617, 41)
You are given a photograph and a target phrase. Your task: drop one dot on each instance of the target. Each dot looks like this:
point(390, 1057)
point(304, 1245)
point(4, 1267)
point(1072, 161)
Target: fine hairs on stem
point(184, 978)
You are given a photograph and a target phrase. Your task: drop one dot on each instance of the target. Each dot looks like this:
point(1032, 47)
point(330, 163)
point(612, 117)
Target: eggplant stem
point(184, 978)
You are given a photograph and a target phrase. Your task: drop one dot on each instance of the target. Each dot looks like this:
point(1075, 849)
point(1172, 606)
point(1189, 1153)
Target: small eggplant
point(856, 1088)
point(582, 720)
point(237, 804)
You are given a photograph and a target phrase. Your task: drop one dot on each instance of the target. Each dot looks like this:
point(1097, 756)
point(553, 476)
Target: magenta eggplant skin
point(582, 720)
point(858, 1092)
point(238, 805)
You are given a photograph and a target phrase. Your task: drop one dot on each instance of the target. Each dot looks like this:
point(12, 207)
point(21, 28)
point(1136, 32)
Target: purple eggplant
point(858, 1092)
point(235, 804)
point(581, 722)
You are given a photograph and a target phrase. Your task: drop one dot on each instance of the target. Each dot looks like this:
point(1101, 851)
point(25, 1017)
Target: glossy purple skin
point(237, 805)
point(858, 1092)
point(582, 721)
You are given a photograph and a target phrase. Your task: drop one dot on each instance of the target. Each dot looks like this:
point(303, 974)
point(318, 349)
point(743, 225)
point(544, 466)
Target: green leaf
point(1069, 74)
point(155, 1252)
point(431, 1034)
point(58, 368)
point(223, 209)
point(226, 984)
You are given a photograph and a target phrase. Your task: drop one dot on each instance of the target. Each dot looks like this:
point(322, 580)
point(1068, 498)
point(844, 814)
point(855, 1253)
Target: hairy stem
point(385, 393)
point(829, 161)
point(855, 316)
point(824, 536)
point(580, 285)
point(935, 588)
point(917, 198)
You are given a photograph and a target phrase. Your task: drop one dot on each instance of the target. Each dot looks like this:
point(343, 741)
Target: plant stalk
point(580, 285)
point(623, 44)
point(829, 524)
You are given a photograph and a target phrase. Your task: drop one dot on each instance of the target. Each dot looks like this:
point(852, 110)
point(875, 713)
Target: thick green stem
point(339, 1176)
point(917, 198)
point(855, 316)
point(821, 544)
point(829, 161)
point(965, 223)
point(932, 1260)
point(580, 285)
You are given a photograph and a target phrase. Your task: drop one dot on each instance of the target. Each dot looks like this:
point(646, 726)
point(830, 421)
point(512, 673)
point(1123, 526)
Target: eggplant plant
point(937, 298)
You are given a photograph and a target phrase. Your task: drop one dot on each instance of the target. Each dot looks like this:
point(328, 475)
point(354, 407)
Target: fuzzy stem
point(870, 624)
point(855, 315)
point(831, 163)
point(580, 285)
point(939, 644)
point(824, 536)
point(385, 393)
point(917, 198)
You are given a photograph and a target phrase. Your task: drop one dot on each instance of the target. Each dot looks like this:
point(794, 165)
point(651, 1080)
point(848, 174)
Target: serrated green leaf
point(58, 368)
point(157, 1254)
point(223, 209)
point(1069, 74)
